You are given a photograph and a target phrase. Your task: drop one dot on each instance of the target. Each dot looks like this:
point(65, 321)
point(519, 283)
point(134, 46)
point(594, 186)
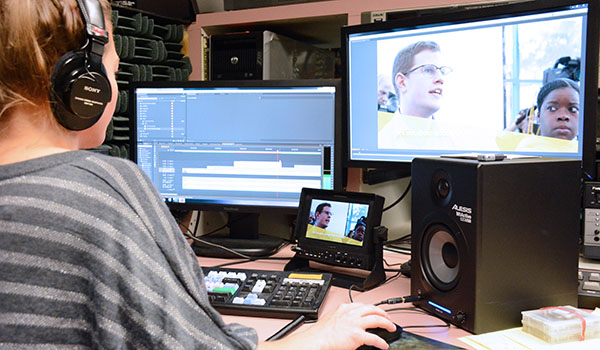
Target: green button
point(224, 290)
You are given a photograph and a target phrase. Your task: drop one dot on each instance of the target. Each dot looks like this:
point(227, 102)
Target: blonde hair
point(34, 34)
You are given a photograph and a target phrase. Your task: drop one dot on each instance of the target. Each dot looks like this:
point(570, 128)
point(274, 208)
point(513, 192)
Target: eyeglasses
point(430, 70)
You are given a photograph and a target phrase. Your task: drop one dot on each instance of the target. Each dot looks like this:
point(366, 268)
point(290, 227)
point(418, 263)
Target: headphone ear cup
point(78, 93)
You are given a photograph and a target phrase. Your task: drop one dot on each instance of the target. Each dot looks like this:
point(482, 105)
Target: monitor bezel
point(465, 13)
point(338, 177)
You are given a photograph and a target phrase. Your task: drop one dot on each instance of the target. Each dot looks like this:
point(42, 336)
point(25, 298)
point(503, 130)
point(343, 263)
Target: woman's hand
point(342, 329)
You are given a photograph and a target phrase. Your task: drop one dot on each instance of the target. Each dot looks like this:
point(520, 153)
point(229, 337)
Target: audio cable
point(191, 235)
point(406, 299)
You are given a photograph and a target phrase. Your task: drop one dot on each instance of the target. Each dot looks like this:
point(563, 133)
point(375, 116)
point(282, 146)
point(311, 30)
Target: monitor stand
point(243, 237)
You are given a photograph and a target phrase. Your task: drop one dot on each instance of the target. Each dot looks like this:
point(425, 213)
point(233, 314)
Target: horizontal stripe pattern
point(90, 257)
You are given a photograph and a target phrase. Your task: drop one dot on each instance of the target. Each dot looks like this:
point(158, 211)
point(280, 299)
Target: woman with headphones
point(90, 256)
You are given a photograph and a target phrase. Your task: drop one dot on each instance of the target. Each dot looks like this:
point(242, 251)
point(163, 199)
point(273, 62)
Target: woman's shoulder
point(121, 171)
point(97, 159)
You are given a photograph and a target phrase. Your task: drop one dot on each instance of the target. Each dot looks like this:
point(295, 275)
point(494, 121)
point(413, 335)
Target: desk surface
point(403, 314)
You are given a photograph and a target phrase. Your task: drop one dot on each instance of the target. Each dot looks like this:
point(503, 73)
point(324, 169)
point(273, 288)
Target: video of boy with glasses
point(339, 222)
point(498, 86)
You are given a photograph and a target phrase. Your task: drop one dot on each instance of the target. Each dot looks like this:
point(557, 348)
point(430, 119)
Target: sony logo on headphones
point(91, 89)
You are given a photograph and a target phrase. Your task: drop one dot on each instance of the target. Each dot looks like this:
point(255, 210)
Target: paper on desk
point(516, 339)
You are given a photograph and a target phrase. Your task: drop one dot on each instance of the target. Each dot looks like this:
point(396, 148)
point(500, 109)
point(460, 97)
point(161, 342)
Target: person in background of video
point(558, 109)
point(524, 123)
point(559, 115)
point(386, 97)
point(418, 77)
point(558, 121)
point(359, 230)
point(323, 215)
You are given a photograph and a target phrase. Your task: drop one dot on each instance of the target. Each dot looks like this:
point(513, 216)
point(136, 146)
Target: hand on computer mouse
point(345, 328)
point(383, 333)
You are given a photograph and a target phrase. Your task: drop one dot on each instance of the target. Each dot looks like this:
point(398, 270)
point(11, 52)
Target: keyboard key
point(591, 286)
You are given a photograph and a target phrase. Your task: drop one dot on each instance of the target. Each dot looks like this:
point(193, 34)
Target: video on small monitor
point(339, 222)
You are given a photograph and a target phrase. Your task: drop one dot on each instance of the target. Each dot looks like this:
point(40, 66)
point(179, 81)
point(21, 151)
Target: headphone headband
point(93, 18)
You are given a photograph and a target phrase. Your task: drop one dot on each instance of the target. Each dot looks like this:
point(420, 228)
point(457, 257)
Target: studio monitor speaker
point(492, 239)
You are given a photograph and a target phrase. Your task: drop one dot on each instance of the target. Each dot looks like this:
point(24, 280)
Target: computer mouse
point(383, 333)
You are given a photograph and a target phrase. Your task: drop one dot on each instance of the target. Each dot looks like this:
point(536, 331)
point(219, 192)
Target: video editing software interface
point(238, 146)
point(485, 74)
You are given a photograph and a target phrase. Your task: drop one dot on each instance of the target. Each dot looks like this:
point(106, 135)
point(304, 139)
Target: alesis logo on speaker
point(463, 213)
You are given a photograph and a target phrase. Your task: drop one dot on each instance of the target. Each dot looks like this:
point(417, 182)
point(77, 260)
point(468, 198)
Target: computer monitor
point(472, 72)
point(242, 147)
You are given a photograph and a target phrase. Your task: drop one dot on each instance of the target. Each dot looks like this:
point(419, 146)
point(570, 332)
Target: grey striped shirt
point(90, 257)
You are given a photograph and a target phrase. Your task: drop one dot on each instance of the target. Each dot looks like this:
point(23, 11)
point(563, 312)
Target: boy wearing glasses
point(418, 77)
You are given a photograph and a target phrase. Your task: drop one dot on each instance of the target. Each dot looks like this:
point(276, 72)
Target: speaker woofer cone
point(440, 257)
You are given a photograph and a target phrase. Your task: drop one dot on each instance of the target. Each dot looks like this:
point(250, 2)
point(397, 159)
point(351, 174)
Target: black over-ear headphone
point(79, 87)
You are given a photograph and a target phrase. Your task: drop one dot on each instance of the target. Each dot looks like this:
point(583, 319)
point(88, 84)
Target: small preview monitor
point(338, 227)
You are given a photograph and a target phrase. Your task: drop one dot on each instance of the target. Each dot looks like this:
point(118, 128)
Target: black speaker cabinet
point(492, 239)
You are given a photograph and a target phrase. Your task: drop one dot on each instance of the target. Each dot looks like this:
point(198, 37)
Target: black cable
point(227, 225)
point(218, 246)
point(287, 328)
point(363, 290)
point(399, 239)
point(229, 263)
point(399, 249)
point(234, 252)
point(189, 234)
point(400, 245)
point(390, 265)
point(195, 227)
point(414, 309)
point(447, 325)
point(389, 269)
point(247, 258)
point(213, 231)
point(350, 291)
point(406, 299)
point(399, 199)
point(216, 230)
point(197, 223)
